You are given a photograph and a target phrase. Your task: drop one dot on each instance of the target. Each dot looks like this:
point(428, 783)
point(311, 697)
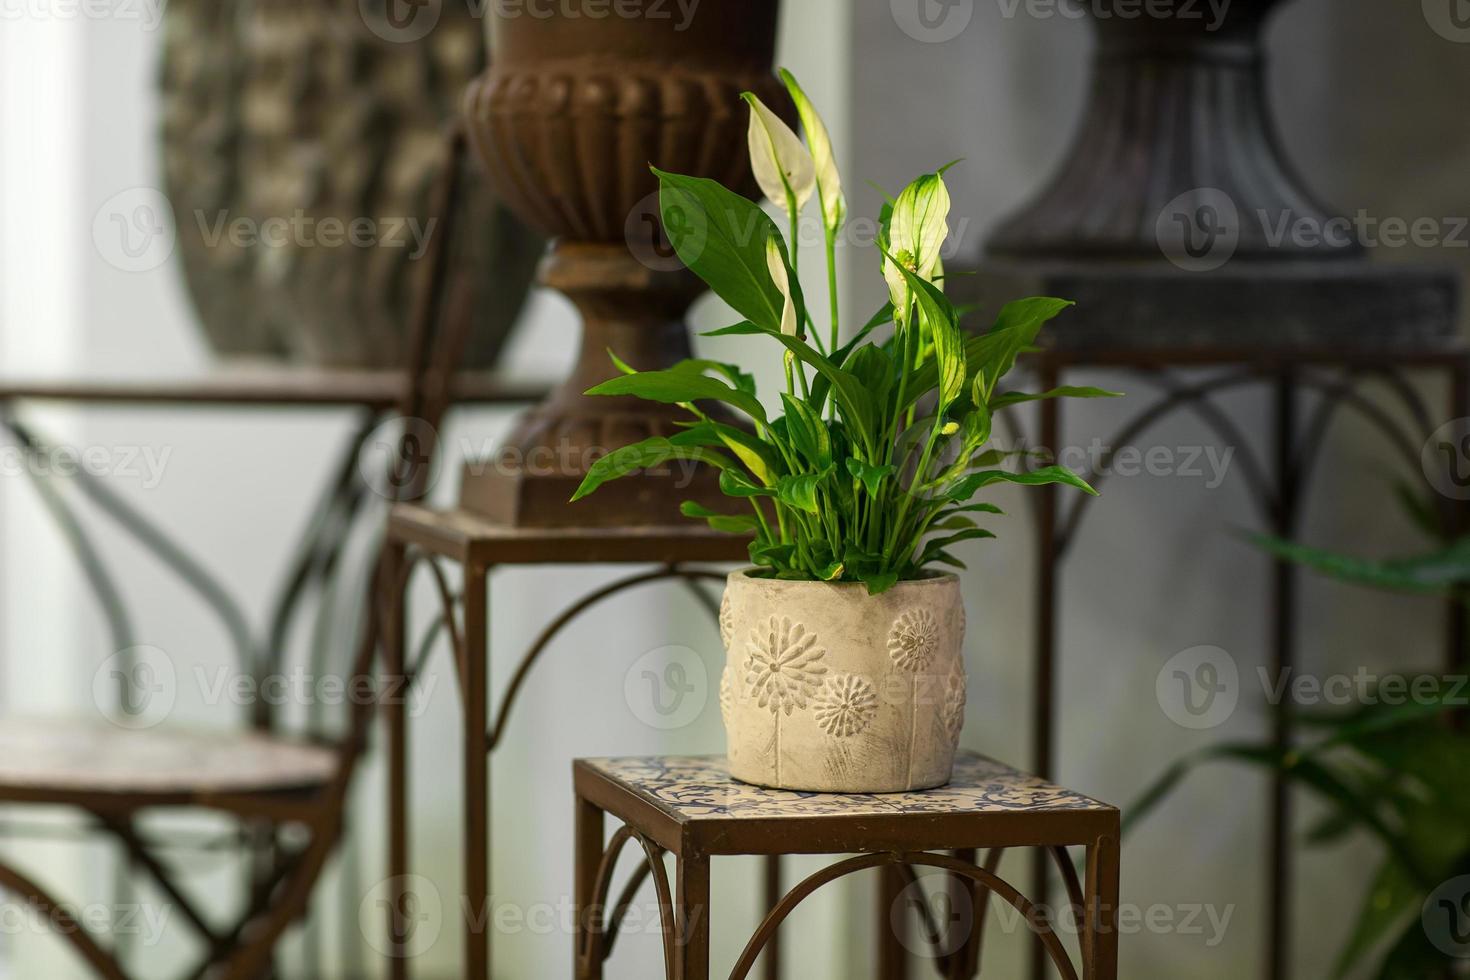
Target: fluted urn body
point(1177, 134)
point(567, 120)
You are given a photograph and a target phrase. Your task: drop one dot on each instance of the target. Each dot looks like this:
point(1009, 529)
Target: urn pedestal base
point(637, 313)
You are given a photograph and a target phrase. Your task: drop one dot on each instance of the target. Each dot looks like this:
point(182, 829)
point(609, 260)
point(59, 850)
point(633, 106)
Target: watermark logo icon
point(658, 236)
point(401, 917)
point(667, 688)
point(1446, 917)
point(398, 459)
point(1450, 19)
point(1445, 459)
point(401, 21)
point(932, 21)
point(134, 230)
point(1199, 688)
point(949, 911)
point(1199, 230)
point(136, 688)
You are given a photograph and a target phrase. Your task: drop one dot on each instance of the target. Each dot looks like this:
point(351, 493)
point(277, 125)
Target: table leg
point(1100, 951)
point(692, 915)
point(473, 687)
point(893, 961)
point(396, 718)
point(964, 897)
point(589, 849)
point(773, 896)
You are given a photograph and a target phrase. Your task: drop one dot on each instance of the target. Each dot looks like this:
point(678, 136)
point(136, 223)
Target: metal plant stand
point(692, 809)
point(420, 537)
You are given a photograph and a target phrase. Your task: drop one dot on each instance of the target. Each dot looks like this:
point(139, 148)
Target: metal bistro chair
point(272, 784)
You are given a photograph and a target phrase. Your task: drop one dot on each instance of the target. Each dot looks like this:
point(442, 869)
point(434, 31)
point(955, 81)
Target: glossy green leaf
point(642, 456)
point(869, 475)
point(808, 432)
point(1066, 391)
point(673, 386)
point(972, 484)
point(727, 523)
point(722, 237)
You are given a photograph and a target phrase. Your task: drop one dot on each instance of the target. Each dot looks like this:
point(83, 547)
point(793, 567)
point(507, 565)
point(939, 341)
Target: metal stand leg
point(893, 961)
point(1100, 943)
point(773, 895)
point(476, 777)
point(1283, 618)
point(1044, 690)
point(395, 715)
point(589, 847)
point(692, 916)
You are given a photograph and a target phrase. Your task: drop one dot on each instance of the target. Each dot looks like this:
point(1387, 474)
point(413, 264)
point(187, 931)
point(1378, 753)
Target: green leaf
point(937, 313)
point(734, 483)
point(728, 523)
point(771, 555)
point(972, 484)
point(880, 582)
point(832, 572)
point(641, 456)
point(807, 431)
point(722, 237)
point(869, 475)
point(873, 368)
point(938, 545)
point(760, 457)
point(1066, 391)
point(1431, 574)
point(742, 380)
point(800, 491)
point(672, 387)
point(855, 402)
point(743, 328)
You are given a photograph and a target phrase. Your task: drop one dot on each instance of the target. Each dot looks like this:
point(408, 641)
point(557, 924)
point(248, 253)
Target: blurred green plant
point(1396, 768)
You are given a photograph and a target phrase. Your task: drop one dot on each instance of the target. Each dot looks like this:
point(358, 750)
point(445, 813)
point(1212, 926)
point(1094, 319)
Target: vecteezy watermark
point(667, 688)
point(1445, 459)
point(145, 464)
point(932, 21)
point(397, 460)
point(950, 914)
point(142, 923)
point(1211, 13)
point(407, 21)
point(1199, 688)
point(134, 229)
point(1446, 918)
point(1208, 464)
point(1450, 19)
point(136, 688)
point(147, 13)
point(402, 916)
point(1201, 230)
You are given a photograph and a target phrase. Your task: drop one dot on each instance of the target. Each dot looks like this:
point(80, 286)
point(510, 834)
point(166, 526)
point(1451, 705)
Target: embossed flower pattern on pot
point(913, 639)
point(727, 622)
point(846, 705)
point(784, 666)
point(954, 703)
point(727, 695)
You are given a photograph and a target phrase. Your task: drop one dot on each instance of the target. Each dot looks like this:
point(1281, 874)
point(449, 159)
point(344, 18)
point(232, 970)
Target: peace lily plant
point(857, 489)
point(869, 472)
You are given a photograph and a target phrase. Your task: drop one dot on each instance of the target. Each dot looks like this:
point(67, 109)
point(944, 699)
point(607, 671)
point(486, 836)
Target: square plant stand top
point(690, 807)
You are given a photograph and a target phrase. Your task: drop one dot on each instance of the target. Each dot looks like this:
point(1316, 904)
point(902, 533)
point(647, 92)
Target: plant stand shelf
point(692, 808)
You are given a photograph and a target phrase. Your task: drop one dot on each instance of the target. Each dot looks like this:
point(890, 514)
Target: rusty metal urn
point(567, 120)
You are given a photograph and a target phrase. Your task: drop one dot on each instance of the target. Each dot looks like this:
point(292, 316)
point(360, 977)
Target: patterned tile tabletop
point(692, 788)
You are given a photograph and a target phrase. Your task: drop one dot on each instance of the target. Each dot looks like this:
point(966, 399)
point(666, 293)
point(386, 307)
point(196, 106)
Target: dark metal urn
point(567, 120)
point(1176, 219)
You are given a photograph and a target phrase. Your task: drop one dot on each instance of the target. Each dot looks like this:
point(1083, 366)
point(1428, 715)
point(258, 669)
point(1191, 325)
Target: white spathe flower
point(916, 235)
point(776, 263)
point(782, 165)
point(829, 180)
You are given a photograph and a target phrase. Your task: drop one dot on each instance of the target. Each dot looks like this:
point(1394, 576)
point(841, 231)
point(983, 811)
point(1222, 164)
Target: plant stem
point(832, 279)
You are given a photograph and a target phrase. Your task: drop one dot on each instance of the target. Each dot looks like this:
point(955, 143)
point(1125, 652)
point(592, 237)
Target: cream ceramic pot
point(829, 689)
